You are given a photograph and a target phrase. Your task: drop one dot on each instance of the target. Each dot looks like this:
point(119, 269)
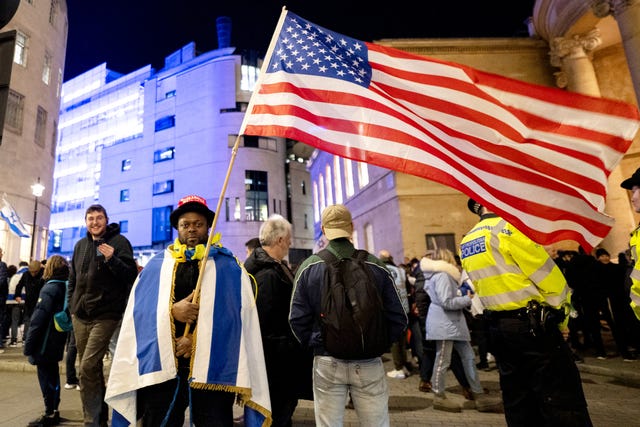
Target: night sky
point(129, 34)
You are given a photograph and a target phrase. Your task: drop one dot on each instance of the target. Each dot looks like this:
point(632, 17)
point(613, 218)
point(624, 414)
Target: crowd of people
point(198, 328)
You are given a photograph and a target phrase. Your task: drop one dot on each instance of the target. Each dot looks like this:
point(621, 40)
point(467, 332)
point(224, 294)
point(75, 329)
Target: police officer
point(525, 297)
point(633, 183)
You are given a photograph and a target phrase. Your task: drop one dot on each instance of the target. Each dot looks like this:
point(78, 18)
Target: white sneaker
point(397, 374)
point(71, 386)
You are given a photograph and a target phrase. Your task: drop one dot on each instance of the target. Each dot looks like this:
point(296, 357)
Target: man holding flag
point(179, 348)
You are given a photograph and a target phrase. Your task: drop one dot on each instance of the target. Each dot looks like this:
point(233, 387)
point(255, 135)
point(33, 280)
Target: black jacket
point(32, 286)
point(44, 343)
point(99, 289)
point(289, 367)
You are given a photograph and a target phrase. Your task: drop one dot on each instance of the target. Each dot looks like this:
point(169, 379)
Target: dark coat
point(44, 343)
point(289, 367)
point(31, 286)
point(307, 295)
point(99, 289)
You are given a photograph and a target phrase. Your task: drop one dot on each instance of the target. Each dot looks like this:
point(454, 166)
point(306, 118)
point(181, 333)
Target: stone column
point(571, 54)
point(627, 15)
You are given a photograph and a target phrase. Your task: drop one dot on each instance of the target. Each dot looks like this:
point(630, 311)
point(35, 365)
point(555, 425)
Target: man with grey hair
point(288, 368)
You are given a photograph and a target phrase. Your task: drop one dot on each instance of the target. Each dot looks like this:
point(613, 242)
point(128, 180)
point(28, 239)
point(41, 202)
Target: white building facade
point(169, 134)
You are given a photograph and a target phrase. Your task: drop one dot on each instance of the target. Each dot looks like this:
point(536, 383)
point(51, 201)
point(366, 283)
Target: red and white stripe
point(537, 156)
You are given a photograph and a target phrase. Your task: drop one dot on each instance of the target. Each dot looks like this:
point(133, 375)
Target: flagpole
point(234, 152)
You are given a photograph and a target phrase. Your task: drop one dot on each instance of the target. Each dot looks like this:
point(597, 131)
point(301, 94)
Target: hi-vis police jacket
point(508, 269)
point(635, 273)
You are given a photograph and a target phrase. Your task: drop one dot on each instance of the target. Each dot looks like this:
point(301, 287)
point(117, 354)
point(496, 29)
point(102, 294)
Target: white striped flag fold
point(537, 156)
point(10, 216)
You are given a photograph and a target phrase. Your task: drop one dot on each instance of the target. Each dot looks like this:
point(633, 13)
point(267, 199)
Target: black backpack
point(352, 317)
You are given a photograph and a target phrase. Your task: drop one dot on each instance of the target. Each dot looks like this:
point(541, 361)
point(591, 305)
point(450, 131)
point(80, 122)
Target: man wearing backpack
point(324, 306)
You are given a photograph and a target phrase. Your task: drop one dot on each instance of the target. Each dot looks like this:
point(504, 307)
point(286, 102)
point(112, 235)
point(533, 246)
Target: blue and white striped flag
point(9, 214)
point(228, 354)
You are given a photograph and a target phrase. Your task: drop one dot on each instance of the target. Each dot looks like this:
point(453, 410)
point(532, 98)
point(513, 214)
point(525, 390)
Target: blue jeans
point(365, 380)
point(444, 349)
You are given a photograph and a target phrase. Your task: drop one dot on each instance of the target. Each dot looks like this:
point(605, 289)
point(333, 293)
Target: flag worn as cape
point(9, 214)
point(228, 346)
point(537, 156)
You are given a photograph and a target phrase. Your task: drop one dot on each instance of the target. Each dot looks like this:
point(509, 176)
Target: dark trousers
point(70, 361)
point(49, 379)
point(171, 399)
point(539, 379)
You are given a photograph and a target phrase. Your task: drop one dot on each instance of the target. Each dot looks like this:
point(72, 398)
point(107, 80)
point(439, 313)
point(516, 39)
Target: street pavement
point(612, 388)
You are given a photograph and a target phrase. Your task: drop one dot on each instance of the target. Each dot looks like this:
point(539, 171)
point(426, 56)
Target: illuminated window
point(368, 238)
point(20, 52)
point(170, 94)
point(256, 191)
point(41, 126)
point(249, 77)
point(337, 179)
point(163, 187)
point(124, 195)
point(329, 186)
point(363, 174)
point(46, 68)
point(124, 226)
point(321, 196)
point(161, 226)
point(164, 154)
point(348, 177)
point(126, 165)
point(316, 204)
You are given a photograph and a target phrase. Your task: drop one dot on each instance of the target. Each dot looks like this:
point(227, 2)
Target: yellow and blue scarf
point(227, 351)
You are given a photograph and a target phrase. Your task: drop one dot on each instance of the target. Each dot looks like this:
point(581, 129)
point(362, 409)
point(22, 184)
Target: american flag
point(537, 156)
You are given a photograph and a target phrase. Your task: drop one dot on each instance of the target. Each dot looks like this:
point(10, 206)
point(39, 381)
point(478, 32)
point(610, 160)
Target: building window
point(306, 221)
point(348, 178)
point(163, 187)
point(126, 165)
point(252, 141)
point(321, 195)
point(53, 12)
point(363, 174)
point(15, 108)
point(226, 209)
point(442, 241)
point(236, 210)
point(20, 54)
point(41, 126)
point(316, 203)
point(164, 154)
point(46, 68)
point(165, 123)
point(170, 94)
point(368, 238)
point(124, 226)
point(54, 138)
point(303, 186)
point(124, 195)
point(337, 179)
point(256, 190)
point(329, 189)
point(161, 227)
